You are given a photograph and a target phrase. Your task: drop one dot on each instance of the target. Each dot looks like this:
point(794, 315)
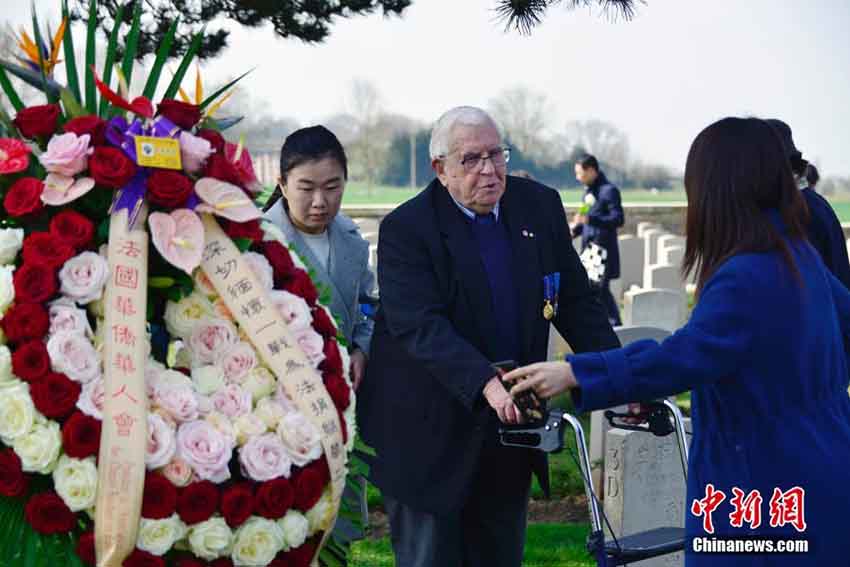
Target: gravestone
point(663, 308)
point(672, 256)
point(371, 237)
point(373, 256)
point(668, 241)
point(650, 245)
point(643, 226)
point(644, 487)
point(631, 260)
point(663, 276)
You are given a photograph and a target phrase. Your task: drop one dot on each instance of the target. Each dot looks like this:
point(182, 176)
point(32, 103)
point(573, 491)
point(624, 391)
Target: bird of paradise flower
point(199, 95)
point(37, 56)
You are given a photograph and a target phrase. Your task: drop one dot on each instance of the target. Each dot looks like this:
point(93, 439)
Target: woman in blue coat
point(762, 353)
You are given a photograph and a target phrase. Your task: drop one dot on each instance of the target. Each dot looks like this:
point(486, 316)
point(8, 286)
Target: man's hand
point(358, 367)
point(501, 401)
point(579, 219)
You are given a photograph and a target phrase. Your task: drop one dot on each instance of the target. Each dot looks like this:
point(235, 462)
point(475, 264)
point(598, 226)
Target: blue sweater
point(763, 355)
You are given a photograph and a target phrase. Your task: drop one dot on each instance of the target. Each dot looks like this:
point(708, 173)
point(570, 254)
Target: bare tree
point(524, 115)
point(602, 139)
point(371, 144)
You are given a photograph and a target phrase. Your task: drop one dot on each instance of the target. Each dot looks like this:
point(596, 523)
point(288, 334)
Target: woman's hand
point(547, 379)
point(358, 367)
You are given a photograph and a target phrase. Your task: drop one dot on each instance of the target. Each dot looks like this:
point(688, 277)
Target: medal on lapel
point(551, 285)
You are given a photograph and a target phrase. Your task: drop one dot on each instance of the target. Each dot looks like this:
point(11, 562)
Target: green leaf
point(174, 85)
point(70, 58)
point(16, 101)
point(6, 121)
point(33, 78)
point(110, 57)
point(160, 282)
point(39, 41)
point(132, 44)
point(91, 91)
point(72, 106)
point(161, 55)
point(210, 99)
point(243, 244)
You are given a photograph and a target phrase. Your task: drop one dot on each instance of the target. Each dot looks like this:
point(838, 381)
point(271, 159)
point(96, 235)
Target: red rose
point(85, 548)
point(308, 484)
point(34, 283)
point(73, 228)
point(168, 189)
point(25, 321)
point(301, 285)
point(45, 248)
point(81, 436)
point(274, 498)
point(237, 504)
point(324, 325)
point(220, 168)
point(342, 427)
point(301, 556)
point(215, 139)
point(110, 167)
point(182, 114)
point(24, 197)
point(188, 561)
point(222, 562)
point(48, 514)
point(278, 256)
point(338, 390)
point(197, 502)
point(141, 558)
point(250, 230)
point(55, 395)
point(30, 361)
point(13, 481)
point(91, 125)
point(37, 121)
point(333, 361)
point(159, 498)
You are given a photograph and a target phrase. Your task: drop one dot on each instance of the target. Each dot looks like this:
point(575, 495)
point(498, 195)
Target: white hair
point(441, 133)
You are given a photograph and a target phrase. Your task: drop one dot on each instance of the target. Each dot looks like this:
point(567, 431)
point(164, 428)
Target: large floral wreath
point(236, 472)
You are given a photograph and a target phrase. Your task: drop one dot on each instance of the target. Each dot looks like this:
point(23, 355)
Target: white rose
point(5, 366)
point(270, 411)
point(162, 442)
point(7, 288)
point(159, 536)
point(11, 240)
point(222, 424)
point(589, 199)
point(39, 449)
point(210, 339)
point(312, 345)
point(82, 277)
point(211, 539)
point(76, 482)
point(350, 416)
point(346, 365)
point(261, 268)
point(303, 441)
point(207, 379)
point(260, 383)
point(74, 355)
point(295, 528)
point(321, 515)
point(294, 310)
point(91, 398)
point(256, 542)
point(181, 317)
point(247, 427)
point(17, 412)
point(297, 261)
point(65, 316)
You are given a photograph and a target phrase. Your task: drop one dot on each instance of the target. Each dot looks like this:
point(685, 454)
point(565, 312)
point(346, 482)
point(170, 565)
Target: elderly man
point(471, 271)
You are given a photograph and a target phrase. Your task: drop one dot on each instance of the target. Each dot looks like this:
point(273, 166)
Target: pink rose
point(210, 338)
point(301, 438)
point(264, 457)
point(205, 449)
point(232, 401)
point(162, 442)
point(178, 400)
point(73, 355)
point(294, 310)
point(91, 398)
point(67, 154)
point(261, 268)
point(244, 167)
point(178, 472)
point(84, 276)
point(312, 345)
point(194, 152)
point(237, 362)
point(65, 316)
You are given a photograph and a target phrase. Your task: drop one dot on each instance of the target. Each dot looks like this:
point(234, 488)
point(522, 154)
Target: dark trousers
point(609, 302)
point(487, 531)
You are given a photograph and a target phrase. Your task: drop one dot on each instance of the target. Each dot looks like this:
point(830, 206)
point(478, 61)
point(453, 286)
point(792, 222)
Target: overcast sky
point(662, 77)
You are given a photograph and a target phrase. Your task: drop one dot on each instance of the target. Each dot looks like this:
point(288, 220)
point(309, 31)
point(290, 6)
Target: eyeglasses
point(475, 162)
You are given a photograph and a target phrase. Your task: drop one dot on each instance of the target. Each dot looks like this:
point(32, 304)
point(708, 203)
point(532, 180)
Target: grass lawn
point(547, 545)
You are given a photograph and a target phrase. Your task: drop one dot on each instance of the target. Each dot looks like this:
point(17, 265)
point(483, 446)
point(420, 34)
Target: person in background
point(824, 229)
point(762, 353)
point(599, 225)
point(812, 176)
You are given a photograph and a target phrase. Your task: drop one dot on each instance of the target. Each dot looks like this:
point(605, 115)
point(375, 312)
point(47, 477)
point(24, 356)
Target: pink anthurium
point(225, 200)
point(178, 237)
point(62, 189)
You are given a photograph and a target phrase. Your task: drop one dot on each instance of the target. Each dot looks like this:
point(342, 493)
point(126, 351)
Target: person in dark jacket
point(472, 271)
point(824, 229)
point(599, 225)
point(762, 354)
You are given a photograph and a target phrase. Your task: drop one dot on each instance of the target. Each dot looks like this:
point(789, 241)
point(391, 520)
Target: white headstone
point(663, 276)
point(372, 237)
point(631, 260)
point(373, 256)
point(650, 245)
point(663, 308)
point(643, 226)
point(672, 255)
point(668, 241)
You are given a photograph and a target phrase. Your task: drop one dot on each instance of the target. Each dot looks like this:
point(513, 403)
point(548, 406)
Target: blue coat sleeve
point(610, 212)
point(711, 346)
point(841, 298)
